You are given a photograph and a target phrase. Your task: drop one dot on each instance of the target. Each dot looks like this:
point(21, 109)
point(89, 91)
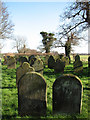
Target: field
point(10, 92)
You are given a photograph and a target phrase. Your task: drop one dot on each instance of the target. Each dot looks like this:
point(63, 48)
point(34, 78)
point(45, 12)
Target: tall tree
point(48, 39)
point(76, 18)
point(6, 26)
point(72, 40)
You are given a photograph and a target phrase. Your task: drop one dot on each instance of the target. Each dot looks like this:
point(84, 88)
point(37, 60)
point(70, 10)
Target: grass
point(10, 92)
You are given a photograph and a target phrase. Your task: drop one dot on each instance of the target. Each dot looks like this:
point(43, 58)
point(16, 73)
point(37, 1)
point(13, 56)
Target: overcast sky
point(30, 18)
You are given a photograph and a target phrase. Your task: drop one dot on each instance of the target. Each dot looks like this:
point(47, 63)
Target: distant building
point(27, 50)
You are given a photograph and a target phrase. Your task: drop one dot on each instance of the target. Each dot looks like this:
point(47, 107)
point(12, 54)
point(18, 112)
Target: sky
point(30, 18)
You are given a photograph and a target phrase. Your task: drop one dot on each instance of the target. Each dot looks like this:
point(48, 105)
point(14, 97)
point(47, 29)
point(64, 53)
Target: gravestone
point(61, 56)
point(65, 60)
point(5, 60)
point(22, 70)
point(38, 65)
point(77, 58)
point(51, 62)
point(59, 66)
point(22, 60)
point(11, 63)
point(89, 62)
point(78, 66)
point(67, 94)
point(32, 95)
point(31, 57)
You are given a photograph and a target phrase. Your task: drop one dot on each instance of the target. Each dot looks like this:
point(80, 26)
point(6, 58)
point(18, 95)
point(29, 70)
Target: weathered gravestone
point(65, 60)
point(51, 62)
point(59, 66)
point(61, 56)
point(78, 66)
point(77, 58)
point(32, 95)
point(11, 63)
point(22, 60)
point(5, 60)
point(22, 70)
point(89, 62)
point(67, 94)
point(38, 66)
point(31, 57)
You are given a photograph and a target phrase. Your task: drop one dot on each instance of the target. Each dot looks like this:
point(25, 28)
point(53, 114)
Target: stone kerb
point(22, 70)
point(67, 94)
point(11, 63)
point(32, 95)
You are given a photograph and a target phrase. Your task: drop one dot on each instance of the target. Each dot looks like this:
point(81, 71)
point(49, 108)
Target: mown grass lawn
point(10, 92)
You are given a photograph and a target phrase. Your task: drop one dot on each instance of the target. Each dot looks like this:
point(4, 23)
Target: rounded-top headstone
point(59, 66)
point(38, 65)
point(22, 70)
point(32, 95)
point(51, 62)
point(11, 62)
point(77, 58)
point(67, 94)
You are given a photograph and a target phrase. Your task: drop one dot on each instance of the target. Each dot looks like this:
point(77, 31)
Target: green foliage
point(10, 92)
point(47, 40)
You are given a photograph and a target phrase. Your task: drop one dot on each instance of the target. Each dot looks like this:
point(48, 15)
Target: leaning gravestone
point(67, 94)
point(22, 70)
point(59, 66)
point(32, 95)
point(89, 62)
point(11, 63)
point(38, 65)
point(51, 62)
point(78, 66)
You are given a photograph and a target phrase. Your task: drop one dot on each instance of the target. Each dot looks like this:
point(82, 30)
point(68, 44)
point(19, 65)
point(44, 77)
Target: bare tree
point(76, 18)
point(19, 43)
point(6, 26)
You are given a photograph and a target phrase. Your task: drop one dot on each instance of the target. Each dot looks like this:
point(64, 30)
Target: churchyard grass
point(10, 92)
